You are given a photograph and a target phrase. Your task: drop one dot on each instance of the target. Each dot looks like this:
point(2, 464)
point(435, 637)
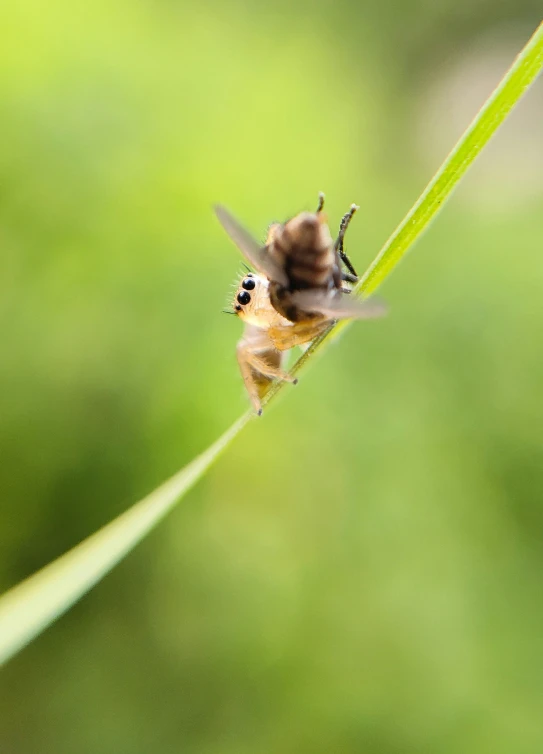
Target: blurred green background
point(363, 570)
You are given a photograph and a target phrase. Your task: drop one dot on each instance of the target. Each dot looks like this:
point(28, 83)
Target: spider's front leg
point(297, 334)
point(260, 364)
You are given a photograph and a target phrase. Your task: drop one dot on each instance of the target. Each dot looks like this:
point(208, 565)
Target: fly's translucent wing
point(250, 248)
point(320, 302)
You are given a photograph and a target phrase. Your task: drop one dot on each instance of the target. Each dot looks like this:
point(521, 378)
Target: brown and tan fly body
point(300, 286)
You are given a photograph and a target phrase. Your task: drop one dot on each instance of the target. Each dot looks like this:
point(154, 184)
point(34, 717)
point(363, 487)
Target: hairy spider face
point(252, 301)
point(249, 288)
point(252, 288)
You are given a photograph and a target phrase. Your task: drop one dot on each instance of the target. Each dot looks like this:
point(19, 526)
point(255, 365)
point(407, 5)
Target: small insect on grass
point(301, 284)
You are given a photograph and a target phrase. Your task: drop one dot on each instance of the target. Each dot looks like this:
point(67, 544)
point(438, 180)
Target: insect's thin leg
point(260, 363)
point(320, 205)
point(284, 338)
point(353, 278)
point(348, 278)
point(262, 366)
point(344, 224)
point(347, 262)
point(248, 376)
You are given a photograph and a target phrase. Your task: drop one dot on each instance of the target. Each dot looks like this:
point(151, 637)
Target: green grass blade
point(509, 91)
point(35, 603)
point(30, 607)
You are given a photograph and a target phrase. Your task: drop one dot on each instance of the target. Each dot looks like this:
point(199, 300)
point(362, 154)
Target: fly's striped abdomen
point(302, 264)
point(304, 249)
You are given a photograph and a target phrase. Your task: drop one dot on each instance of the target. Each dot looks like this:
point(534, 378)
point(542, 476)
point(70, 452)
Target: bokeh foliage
point(362, 571)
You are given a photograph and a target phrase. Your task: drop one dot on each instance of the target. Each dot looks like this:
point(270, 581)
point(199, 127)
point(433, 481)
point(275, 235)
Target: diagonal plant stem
point(28, 608)
point(37, 601)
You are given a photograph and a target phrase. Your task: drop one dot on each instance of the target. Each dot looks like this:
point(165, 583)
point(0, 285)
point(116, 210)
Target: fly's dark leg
point(320, 205)
point(348, 277)
point(344, 224)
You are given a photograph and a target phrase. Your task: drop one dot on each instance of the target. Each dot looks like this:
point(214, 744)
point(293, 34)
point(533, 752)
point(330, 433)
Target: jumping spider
point(300, 287)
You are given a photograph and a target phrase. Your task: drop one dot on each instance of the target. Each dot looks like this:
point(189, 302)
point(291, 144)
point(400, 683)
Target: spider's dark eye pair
point(244, 297)
point(248, 284)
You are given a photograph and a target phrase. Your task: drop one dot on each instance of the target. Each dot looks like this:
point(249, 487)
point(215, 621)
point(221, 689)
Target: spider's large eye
point(243, 297)
point(248, 284)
